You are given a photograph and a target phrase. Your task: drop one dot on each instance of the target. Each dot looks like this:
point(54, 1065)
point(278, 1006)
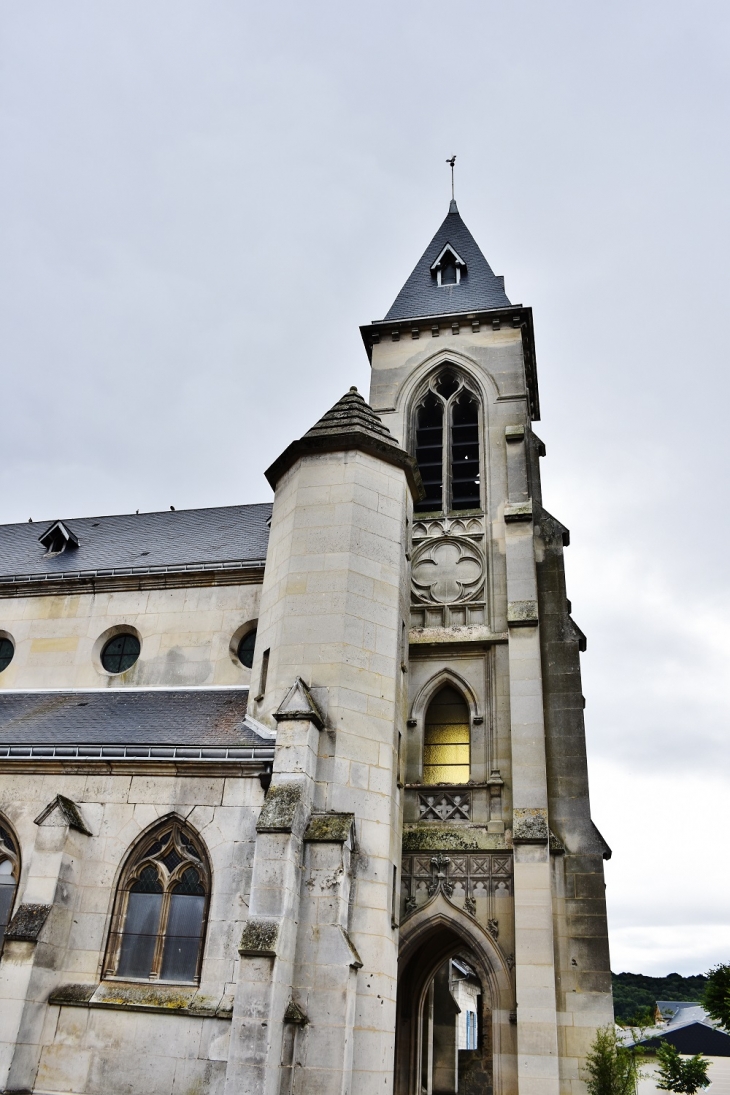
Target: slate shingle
point(120, 716)
point(479, 289)
point(139, 541)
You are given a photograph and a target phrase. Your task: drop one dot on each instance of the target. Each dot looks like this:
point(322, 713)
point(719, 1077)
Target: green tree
point(611, 1067)
point(675, 1074)
point(716, 997)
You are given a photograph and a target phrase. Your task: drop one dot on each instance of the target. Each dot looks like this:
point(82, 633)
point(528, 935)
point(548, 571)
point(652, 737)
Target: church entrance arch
point(455, 995)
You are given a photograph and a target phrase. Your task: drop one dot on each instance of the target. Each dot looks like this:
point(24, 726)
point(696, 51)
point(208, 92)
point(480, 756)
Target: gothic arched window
point(447, 445)
point(161, 908)
point(9, 874)
point(446, 739)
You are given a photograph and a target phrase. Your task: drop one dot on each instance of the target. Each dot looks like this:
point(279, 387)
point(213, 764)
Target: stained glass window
point(246, 648)
point(6, 653)
point(9, 873)
point(446, 740)
point(160, 914)
point(120, 653)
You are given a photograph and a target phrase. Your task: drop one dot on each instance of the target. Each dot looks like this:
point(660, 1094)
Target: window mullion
point(161, 933)
point(448, 458)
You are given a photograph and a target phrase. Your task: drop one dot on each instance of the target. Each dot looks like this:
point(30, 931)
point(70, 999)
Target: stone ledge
point(279, 809)
point(429, 836)
point(329, 828)
point(476, 633)
point(259, 938)
point(127, 996)
point(520, 511)
point(522, 614)
point(27, 924)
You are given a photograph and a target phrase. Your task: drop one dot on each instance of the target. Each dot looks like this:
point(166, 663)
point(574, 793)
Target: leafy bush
point(611, 1067)
point(677, 1075)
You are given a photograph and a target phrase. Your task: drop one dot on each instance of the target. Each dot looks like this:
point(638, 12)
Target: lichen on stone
point(27, 923)
point(530, 826)
point(259, 937)
point(329, 828)
point(429, 837)
point(72, 995)
point(279, 808)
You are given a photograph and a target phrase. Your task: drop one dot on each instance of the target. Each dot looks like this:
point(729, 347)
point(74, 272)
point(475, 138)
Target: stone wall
point(188, 636)
point(102, 1036)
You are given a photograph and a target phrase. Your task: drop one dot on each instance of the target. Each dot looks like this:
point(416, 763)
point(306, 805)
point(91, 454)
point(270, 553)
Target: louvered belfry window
point(447, 445)
point(161, 909)
point(9, 873)
point(446, 739)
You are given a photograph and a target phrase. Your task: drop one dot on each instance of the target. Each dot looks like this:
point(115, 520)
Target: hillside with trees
point(635, 993)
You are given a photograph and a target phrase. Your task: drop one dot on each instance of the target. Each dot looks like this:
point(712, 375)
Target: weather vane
point(451, 163)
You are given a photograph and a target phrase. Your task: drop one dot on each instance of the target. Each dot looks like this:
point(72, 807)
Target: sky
point(201, 202)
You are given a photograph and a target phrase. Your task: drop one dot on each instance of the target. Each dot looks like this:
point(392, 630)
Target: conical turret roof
point(351, 413)
point(479, 287)
point(350, 424)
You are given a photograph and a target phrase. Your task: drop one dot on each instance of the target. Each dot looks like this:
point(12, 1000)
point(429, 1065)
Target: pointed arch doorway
point(454, 999)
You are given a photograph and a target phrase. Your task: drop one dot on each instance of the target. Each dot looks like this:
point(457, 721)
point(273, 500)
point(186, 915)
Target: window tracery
point(9, 875)
point(161, 908)
point(447, 445)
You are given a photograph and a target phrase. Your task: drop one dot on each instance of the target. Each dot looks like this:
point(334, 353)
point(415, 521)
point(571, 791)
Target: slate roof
point(121, 716)
point(479, 288)
point(140, 541)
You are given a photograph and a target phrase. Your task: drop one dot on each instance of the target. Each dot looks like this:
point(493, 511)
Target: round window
point(120, 653)
point(6, 653)
point(245, 649)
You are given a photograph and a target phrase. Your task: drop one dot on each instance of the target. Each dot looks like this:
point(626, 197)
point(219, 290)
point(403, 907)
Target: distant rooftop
point(135, 541)
point(453, 252)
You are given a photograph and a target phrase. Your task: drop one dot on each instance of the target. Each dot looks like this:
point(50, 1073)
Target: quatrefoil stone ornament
point(447, 570)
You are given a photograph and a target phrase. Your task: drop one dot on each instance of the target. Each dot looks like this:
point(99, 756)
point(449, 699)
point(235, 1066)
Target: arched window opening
point(446, 739)
point(447, 445)
point(161, 908)
point(429, 451)
point(465, 452)
point(9, 874)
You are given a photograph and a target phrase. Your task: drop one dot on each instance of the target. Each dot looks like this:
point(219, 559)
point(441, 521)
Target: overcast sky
point(200, 203)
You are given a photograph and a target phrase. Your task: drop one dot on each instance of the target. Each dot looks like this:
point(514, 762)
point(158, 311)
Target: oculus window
point(447, 445)
point(6, 653)
point(9, 873)
point(120, 653)
point(446, 739)
point(161, 908)
point(246, 648)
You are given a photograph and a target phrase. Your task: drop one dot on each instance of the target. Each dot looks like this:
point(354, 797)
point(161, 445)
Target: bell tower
point(502, 866)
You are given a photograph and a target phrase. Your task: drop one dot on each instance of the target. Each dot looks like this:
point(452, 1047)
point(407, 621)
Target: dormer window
point(58, 538)
point(448, 267)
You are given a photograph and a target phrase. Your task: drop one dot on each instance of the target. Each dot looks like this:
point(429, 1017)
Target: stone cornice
point(101, 581)
point(517, 316)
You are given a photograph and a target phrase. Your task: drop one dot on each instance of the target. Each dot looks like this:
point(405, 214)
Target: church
point(294, 796)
